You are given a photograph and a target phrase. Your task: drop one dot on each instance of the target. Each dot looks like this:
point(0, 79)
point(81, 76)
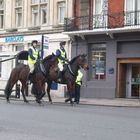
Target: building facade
point(22, 21)
point(109, 32)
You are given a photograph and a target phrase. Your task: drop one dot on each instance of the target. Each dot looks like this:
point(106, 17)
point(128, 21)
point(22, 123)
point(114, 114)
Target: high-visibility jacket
point(35, 54)
point(79, 78)
point(63, 54)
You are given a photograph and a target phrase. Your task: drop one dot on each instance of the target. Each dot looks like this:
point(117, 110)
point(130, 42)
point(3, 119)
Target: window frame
point(59, 7)
point(17, 14)
point(97, 69)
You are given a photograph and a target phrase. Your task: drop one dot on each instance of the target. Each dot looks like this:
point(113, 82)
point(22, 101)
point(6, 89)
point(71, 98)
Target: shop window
point(1, 14)
point(61, 12)
point(97, 61)
point(0, 66)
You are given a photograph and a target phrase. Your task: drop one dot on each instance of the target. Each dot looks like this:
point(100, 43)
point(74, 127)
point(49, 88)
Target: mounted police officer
point(33, 57)
point(62, 58)
point(78, 84)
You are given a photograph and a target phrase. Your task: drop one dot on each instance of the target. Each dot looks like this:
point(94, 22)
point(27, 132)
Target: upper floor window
point(1, 4)
point(1, 13)
point(18, 3)
point(97, 61)
point(61, 12)
point(35, 1)
point(18, 12)
point(39, 12)
point(35, 15)
point(1, 18)
point(100, 13)
point(44, 14)
point(132, 12)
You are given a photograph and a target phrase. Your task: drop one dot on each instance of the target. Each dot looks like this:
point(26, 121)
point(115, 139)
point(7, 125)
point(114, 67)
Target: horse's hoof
point(8, 101)
point(66, 100)
point(26, 101)
point(38, 101)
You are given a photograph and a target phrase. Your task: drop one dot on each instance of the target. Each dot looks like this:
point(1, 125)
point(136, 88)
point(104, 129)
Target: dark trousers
point(77, 93)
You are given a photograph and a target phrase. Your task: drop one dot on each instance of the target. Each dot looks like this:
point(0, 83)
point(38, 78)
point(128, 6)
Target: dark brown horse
point(69, 75)
point(21, 72)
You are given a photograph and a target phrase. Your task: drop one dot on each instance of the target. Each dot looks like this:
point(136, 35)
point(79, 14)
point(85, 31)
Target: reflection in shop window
point(0, 67)
point(97, 60)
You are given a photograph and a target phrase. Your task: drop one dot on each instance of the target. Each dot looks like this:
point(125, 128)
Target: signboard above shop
point(11, 39)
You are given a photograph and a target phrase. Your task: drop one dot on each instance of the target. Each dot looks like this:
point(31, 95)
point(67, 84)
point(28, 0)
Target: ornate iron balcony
point(114, 20)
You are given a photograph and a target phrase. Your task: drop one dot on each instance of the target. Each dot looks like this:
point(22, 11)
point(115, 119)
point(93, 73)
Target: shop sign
point(11, 39)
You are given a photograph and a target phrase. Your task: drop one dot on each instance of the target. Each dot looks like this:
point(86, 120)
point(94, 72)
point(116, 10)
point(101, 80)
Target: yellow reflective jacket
point(35, 54)
point(63, 54)
point(79, 78)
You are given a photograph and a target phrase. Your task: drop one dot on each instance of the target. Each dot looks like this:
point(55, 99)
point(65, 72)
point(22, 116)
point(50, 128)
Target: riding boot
point(60, 76)
point(29, 78)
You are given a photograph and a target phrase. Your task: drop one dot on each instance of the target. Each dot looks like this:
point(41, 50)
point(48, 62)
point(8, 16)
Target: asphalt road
point(20, 121)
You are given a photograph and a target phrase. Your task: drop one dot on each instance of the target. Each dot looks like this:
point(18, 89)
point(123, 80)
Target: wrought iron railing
point(115, 20)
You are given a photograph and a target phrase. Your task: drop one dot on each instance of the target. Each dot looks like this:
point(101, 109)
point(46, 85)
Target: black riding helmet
point(34, 41)
point(62, 43)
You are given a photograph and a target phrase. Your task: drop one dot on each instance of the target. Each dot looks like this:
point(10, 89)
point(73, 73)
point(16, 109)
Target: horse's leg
point(70, 89)
point(9, 88)
point(23, 88)
point(39, 92)
point(48, 91)
point(42, 91)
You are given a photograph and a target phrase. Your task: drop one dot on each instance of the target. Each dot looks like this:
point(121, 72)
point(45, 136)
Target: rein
point(69, 67)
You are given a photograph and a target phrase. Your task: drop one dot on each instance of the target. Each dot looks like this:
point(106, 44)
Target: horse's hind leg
point(8, 89)
point(24, 87)
point(48, 91)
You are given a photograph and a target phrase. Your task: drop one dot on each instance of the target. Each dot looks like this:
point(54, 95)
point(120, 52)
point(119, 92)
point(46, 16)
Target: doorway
point(128, 78)
point(133, 81)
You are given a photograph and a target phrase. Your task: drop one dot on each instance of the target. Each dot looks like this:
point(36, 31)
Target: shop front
point(114, 65)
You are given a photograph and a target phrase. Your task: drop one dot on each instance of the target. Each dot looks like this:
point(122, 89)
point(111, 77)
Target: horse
point(21, 72)
point(69, 76)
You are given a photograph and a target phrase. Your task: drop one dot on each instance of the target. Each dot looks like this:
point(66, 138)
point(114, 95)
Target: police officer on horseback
point(62, 58)
point(33, 57)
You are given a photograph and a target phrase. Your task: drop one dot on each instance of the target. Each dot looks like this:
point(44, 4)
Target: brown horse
point(69, 75)
point(21, 73)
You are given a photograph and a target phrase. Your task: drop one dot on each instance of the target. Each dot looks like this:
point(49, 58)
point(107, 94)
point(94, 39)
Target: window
point(61, 12)
point(42, 1)
point(97, 58)
point(18, 11)
point(35, 1)
point(1, 13)
point(100, 13)
point(44, 14)
point(35, 17)
point(39, 12)
point(132, 12)
point(18, 3)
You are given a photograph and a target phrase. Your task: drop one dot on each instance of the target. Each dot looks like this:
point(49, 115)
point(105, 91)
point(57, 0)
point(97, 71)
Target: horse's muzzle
point(86, 67)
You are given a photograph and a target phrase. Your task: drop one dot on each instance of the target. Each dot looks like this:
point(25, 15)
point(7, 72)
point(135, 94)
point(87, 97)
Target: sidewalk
point(116, 102)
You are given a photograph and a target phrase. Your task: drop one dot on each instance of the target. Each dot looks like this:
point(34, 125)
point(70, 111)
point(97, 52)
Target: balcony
point(103, 21)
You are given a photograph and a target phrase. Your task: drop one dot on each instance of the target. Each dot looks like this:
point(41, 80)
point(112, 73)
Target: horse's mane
point(49, 57)
point(74, 59)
